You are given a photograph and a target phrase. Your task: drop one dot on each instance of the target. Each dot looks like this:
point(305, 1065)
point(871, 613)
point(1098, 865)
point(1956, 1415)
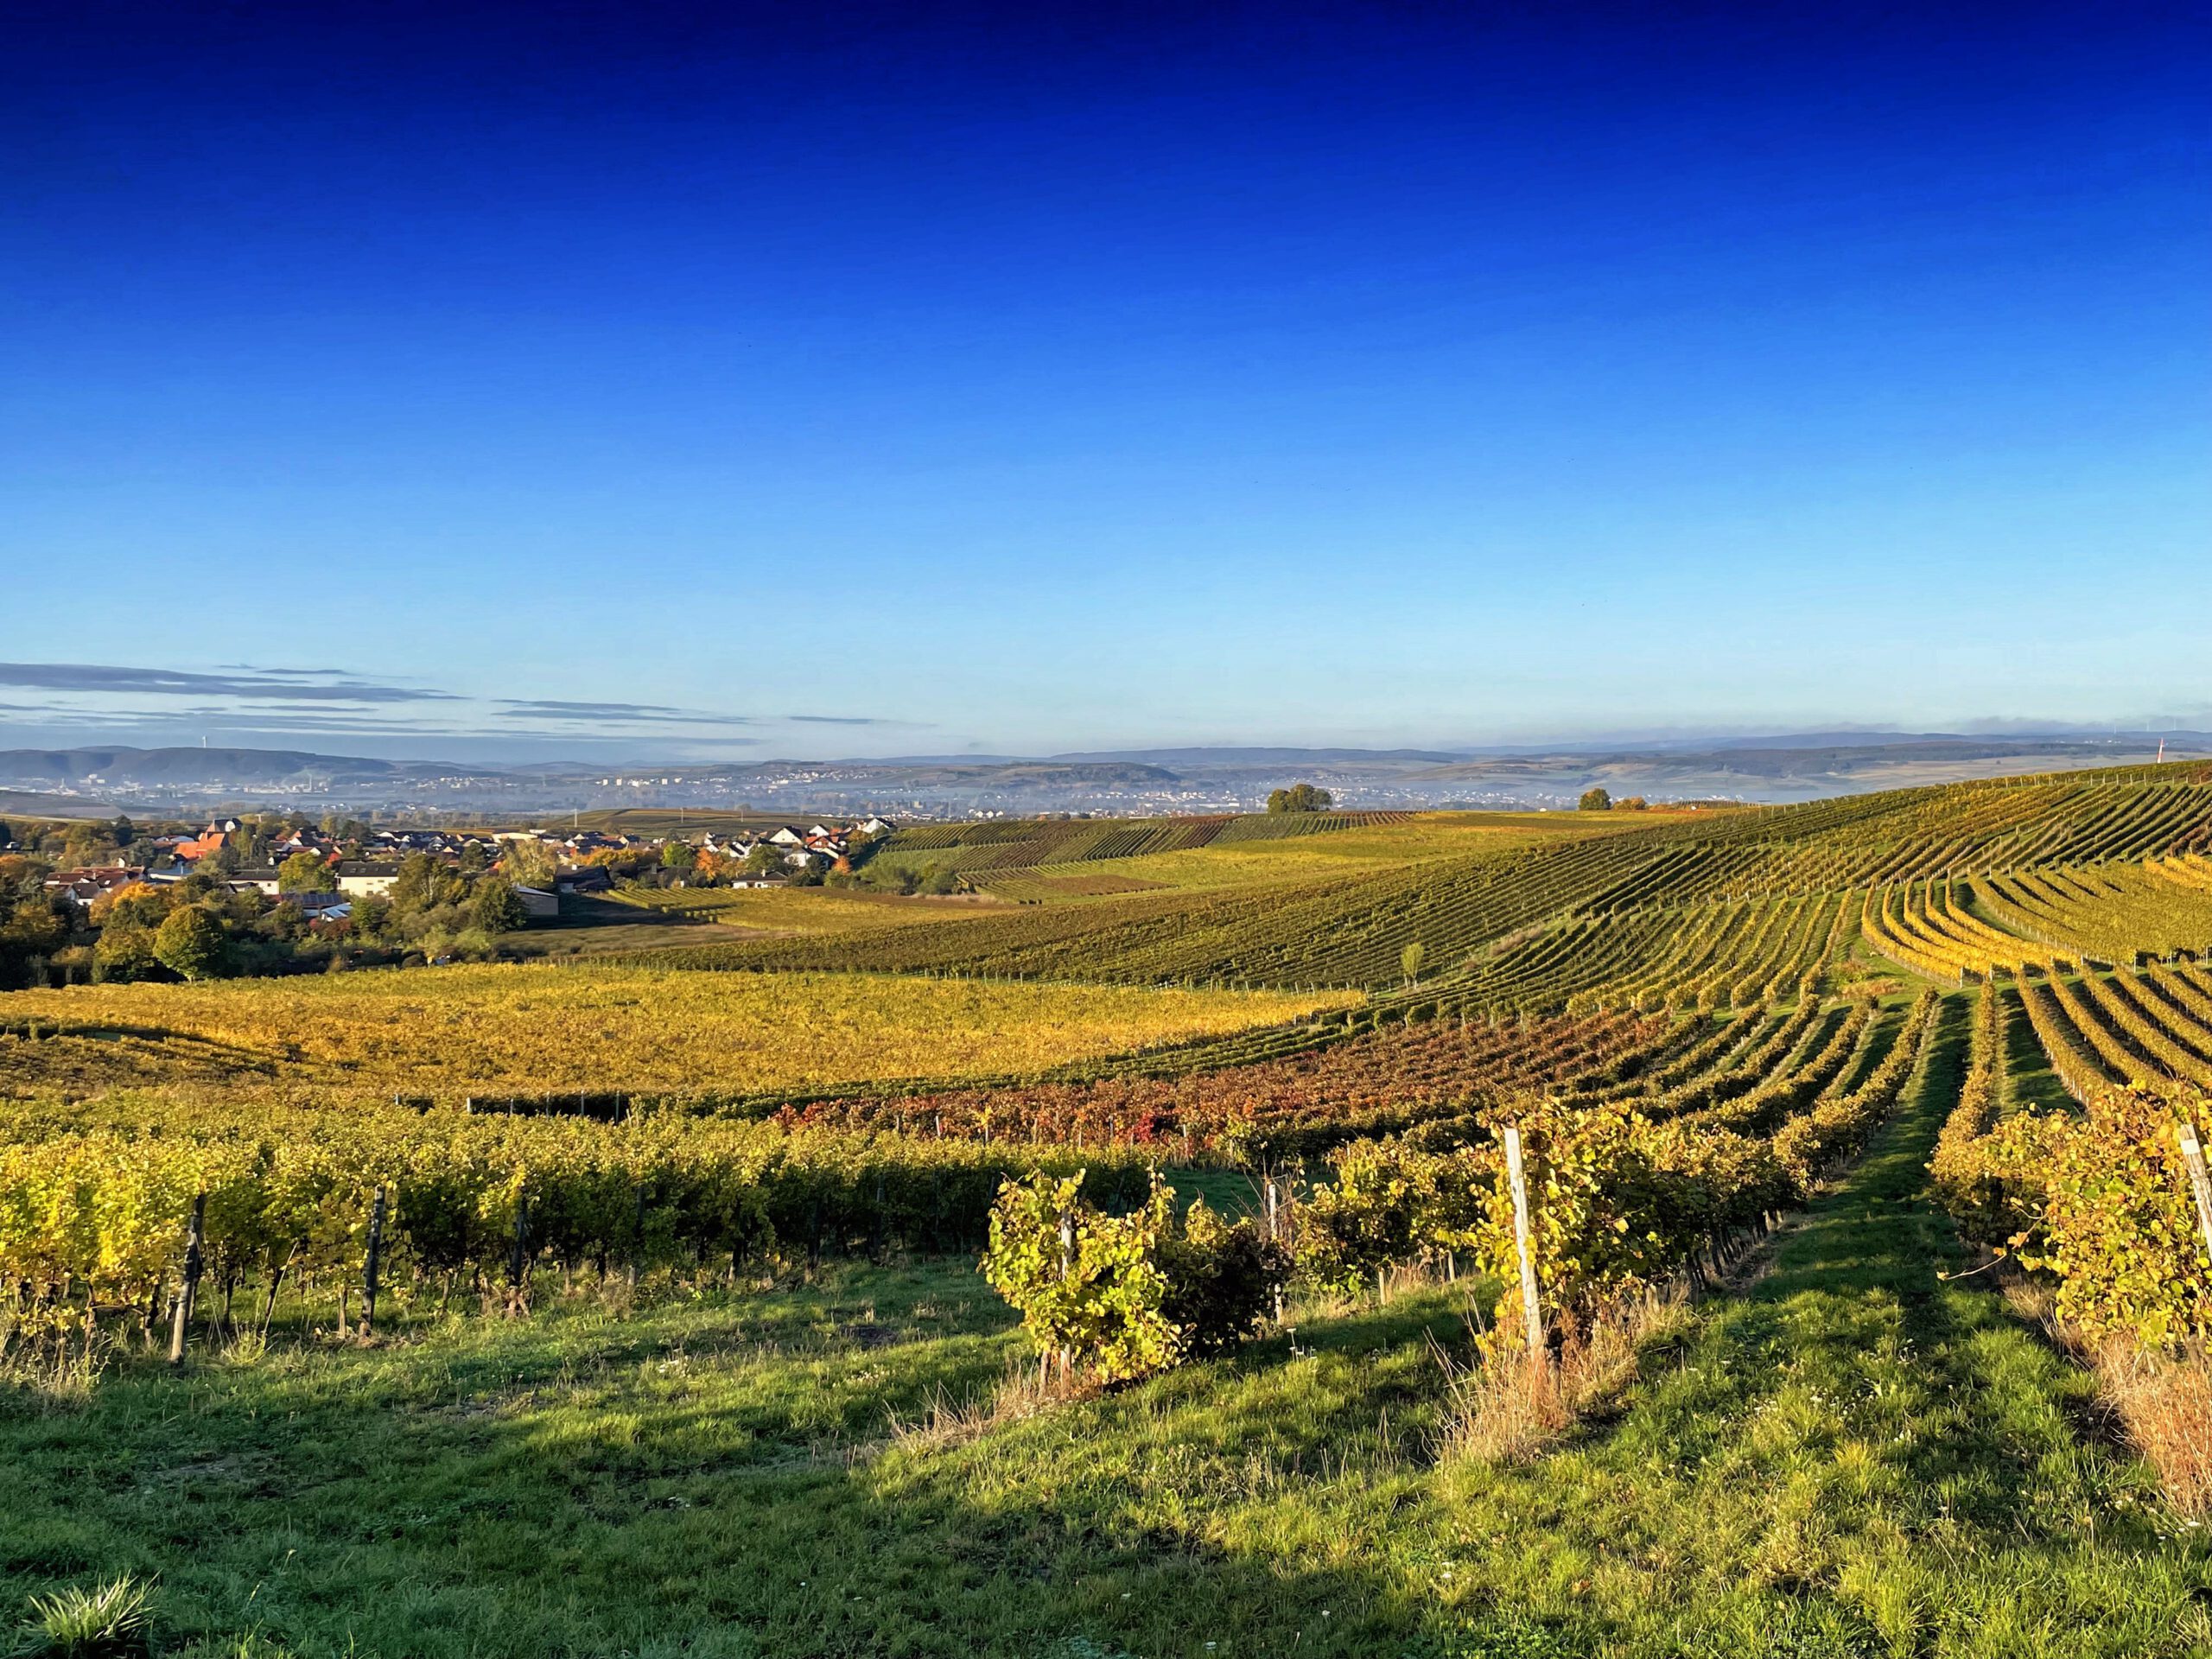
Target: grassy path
point(1857, 1457)
point(1852, 1458)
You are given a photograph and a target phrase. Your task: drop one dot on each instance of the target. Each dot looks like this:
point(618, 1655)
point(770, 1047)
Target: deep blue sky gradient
point(1061, 381)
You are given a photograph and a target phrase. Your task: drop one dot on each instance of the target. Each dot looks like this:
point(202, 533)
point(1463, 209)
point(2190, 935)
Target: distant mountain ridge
point(124, 765)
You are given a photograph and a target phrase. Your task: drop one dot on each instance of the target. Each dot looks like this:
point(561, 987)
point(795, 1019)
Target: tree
point(125, 951)
point(1300, 798)
point(531, 863)
point(1632, 804)
point(191, 942)
point(372, 920)
point(416, 885)
point(766, 859)
point(679, 856)
point(33, 924)
point(305, 873)
point(494, 906)
point(1595, 800)
point(86, 843)
point(1410, 960)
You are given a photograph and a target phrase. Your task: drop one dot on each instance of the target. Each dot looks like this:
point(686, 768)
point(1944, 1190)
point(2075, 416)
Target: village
point(324, 869)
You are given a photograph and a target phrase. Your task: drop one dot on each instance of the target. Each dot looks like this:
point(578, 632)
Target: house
point(788, 837)
point(592, 878)
point(204, 844)
point(320, 907)
point(358, 879)
point(536, 903)
point(81, 886)
point(871, 826)
point(261, 878)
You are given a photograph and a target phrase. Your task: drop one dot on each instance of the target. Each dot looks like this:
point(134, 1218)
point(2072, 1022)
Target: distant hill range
point(217, 768)
point(1785, 767)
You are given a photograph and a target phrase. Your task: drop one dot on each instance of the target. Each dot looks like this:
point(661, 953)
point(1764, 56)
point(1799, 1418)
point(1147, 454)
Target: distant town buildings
point(582, 862)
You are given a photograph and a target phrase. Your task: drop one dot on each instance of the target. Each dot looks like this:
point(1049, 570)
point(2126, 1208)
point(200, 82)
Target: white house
point(365, 881)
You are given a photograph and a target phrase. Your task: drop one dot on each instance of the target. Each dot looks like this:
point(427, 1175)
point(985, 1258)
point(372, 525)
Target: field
point(785, 913)
point(450, 1031)
point(1871, 1307)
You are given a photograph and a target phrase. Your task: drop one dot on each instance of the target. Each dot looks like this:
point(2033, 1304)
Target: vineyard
point(2109, 863)
point(1833, 1088)
point(453, 1031)
point(1011, 844)
point(785, 912)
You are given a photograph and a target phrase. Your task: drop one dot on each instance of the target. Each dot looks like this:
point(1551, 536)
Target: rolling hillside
point(1642, 912)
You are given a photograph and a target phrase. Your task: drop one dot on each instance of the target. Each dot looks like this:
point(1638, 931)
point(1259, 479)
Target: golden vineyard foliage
point(2096, 1198)
point(1621, 1196)
point(94, 1218)
point(453, 1031)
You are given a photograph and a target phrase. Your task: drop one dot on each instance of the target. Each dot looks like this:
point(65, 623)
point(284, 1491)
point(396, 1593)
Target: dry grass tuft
point(49, 1368)
point(1503, 1410)
point(1024, 1391)
point(2164, 1401)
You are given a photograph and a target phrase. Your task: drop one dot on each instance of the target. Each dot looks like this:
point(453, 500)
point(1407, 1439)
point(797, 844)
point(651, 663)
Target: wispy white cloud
point(252, 684)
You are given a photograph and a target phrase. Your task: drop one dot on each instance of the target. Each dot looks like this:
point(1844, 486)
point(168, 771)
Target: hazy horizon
point(495, 751)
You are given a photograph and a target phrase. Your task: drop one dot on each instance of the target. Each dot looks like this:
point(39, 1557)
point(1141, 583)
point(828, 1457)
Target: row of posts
point(195, 1262)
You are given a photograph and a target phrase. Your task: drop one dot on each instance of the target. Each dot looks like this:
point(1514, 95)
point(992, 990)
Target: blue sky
point(637, 380)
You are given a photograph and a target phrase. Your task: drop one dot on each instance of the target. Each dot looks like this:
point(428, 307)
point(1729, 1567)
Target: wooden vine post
point(1524, 1241)
point(518, 1259)
point(371, 1267)
point(1067, 1272)
point(637, 1237)
point(1275, 1233)
point(188, 1292)
point(2192, 1158)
